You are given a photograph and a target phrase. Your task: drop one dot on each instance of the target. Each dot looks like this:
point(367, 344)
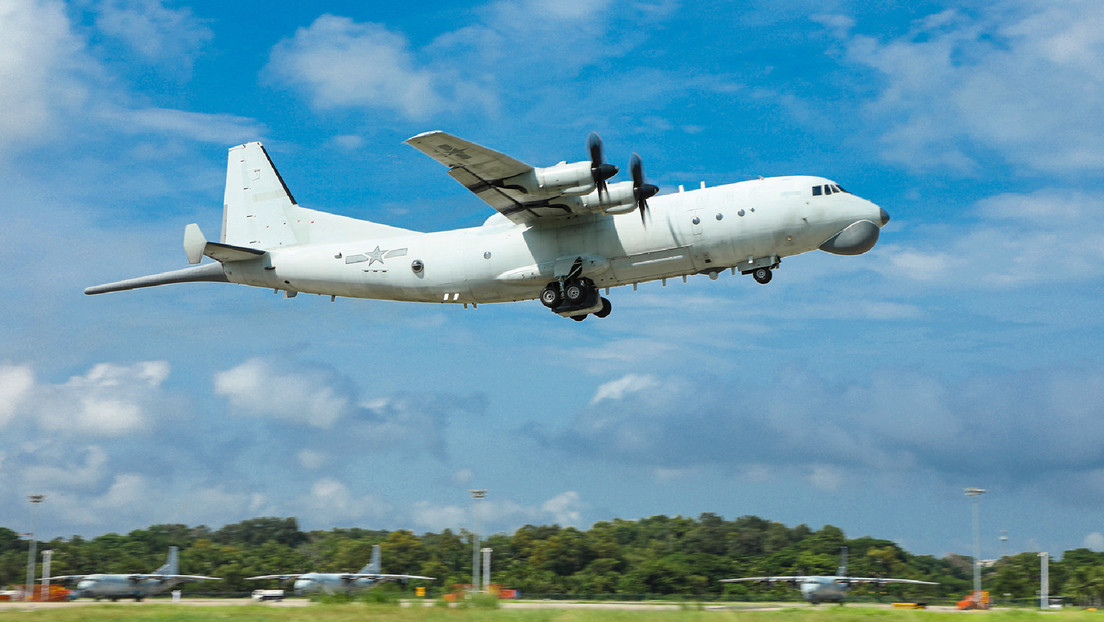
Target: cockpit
point(827, 189)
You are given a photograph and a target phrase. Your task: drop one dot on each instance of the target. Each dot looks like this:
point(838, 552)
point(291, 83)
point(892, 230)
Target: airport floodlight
point(28, 592)
point(476, 494)
point(974, 493)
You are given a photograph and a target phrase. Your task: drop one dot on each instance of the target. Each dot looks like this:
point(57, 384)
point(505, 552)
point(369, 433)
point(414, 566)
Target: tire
point(550, 296)
point(605, 310)
point(762, 275)
point(574, 292)
point(579, 318)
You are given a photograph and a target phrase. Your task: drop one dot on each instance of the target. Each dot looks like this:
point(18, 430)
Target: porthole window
point(417, 266)
point(487, 255)
point(720, 216)
point(696, 220)
point(740, 213)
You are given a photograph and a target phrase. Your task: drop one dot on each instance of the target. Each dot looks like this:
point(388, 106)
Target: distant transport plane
point(827, 589)
point(135, 585)
point(346, 582)
point(560, 233)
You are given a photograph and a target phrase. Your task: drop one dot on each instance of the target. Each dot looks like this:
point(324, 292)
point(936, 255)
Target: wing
point(282, 577)
point(881, 580)
point(385, 577)
point(65, 577)
point(524, 193)
point(785, 579)
point(174, 577)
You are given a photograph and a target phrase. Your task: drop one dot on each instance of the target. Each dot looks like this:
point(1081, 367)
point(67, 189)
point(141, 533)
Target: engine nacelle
point(618, 199)
point(572, 179)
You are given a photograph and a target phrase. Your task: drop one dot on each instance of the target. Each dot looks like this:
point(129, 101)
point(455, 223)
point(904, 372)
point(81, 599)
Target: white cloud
point(1094, 541)
point(312, 460)
point(256, 388)
point(44, 68)
point(1016, 79)
point(565, 508)
point(341, 63)
point(618, 389)
point(16, 382)
point(110, 400)
point(330, 501)
point(157, 33)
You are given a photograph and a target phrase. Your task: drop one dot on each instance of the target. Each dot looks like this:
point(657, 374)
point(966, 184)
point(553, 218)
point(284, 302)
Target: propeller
point(599, 170)
point(641, 191)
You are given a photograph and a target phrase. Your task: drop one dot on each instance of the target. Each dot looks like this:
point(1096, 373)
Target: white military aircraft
point(560, 233)
point(347, 582)
point(827, 589)
point(135, 585)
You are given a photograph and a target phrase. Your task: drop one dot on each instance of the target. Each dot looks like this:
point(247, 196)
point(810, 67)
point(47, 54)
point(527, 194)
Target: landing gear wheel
point(574, 292)
point(605, 310)
point(579, 318)
point(550, 296)
point(762, 275)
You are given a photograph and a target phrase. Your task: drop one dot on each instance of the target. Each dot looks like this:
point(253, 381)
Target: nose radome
point(884, 216)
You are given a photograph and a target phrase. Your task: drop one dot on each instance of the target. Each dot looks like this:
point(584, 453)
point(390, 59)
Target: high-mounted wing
point(282, 577)
point(881, 581)
point(174, 577)
point(526, 194)
point(785, 579)
point(65, 577)
point(384, 577)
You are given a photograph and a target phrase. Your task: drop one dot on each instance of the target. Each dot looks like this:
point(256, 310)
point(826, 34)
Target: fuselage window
point(818, 190)
point(828, 189)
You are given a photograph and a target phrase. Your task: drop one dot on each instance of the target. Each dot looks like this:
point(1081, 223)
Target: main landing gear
point(575, 298)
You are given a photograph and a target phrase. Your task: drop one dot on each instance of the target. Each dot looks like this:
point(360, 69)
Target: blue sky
point(863, 392)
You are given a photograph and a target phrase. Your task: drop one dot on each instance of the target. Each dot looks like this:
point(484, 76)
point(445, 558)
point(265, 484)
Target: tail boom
point(211, 272)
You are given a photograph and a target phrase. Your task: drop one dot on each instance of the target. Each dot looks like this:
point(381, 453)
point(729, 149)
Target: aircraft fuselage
point(741, 226)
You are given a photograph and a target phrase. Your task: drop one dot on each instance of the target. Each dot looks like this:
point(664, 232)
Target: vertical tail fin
point(171, 566)
point(257, 207)
point(374, 565)
point(842, 570)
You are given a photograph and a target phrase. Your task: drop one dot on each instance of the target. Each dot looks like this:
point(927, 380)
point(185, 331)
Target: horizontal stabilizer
point(211, 272)
point(196, 246)
point(228, 252)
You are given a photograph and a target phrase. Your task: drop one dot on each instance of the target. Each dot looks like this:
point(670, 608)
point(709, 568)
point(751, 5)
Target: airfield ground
point(509, 611)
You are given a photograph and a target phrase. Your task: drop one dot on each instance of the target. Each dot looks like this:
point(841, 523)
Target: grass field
point(377, 613)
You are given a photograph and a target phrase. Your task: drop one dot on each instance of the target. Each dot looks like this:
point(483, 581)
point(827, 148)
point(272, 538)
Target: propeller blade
point(641, 191)
point(599, 170)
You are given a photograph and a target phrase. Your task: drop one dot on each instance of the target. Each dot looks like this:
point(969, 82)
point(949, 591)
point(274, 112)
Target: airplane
point(135, 585)
point(828, 589)
point(559, 234)
point(332, 582)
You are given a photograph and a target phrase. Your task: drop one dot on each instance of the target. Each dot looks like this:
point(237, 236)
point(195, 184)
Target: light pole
point(975, 493)
point(477, 494)
point(486, 567)
point(28, 593)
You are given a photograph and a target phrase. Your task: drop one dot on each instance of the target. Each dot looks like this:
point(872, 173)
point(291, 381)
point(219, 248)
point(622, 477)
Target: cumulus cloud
point(340, 63)
point(16, 382)
point(494, 515)
point(322, 398)
point(45, 70)
point(1016, 78)
point(111, 400)
point(155, 32)
point(330, 500)
point(1008, 243)
point(308, 395)
point(1037, 427)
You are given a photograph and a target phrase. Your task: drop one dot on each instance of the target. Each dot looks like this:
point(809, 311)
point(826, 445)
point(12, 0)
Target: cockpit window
point(826, 189)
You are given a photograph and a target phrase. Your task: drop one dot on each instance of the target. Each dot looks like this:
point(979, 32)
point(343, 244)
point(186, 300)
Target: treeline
point(659, 555)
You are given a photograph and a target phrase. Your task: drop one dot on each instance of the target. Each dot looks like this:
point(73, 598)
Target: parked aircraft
point(332, 582)
point(560, 234)
point(136, 585)
point(827, 589)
